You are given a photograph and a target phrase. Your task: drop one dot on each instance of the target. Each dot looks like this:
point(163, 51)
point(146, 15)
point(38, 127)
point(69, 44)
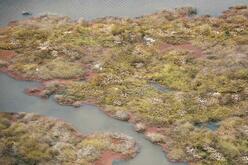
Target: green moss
point(202, 60)
point(60, 69)
point(27, 34)
point(99, 143)
point(229, 149)
point(117, 29)
point(175, 76)
point(33, 139)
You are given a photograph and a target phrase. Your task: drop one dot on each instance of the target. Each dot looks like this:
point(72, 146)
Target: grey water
point(87, 119)
point(211, 125)
point(159, 87)
point(89, 9)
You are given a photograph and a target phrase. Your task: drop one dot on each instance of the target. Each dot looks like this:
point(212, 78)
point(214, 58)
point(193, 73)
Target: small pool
point(159, 87)
point(210, 125)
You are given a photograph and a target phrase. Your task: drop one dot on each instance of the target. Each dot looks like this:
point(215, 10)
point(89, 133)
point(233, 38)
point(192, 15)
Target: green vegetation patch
point(112, 62)
point(31, 139)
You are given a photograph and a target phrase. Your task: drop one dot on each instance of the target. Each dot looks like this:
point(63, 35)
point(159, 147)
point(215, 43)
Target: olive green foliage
point(202, 60)
point(32, 139)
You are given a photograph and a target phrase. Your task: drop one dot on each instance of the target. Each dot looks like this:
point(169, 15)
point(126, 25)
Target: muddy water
point(89, 9)
point(86, 119)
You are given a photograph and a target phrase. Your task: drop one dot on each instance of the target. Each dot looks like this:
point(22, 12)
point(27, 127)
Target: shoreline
point(109, 114)
point(108, 63)
point(106, 155)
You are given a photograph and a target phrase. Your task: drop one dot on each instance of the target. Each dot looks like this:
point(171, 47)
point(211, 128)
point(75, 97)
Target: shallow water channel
point(87, 119)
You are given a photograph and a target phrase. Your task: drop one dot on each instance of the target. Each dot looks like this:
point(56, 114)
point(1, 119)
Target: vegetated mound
point(112, 62)
point(27, 138)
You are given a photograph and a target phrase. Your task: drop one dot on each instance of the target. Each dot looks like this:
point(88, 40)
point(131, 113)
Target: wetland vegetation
point(27, 138)
point(111, 62)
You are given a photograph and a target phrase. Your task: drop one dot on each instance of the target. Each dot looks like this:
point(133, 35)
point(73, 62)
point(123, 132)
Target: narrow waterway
point(87, 119)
